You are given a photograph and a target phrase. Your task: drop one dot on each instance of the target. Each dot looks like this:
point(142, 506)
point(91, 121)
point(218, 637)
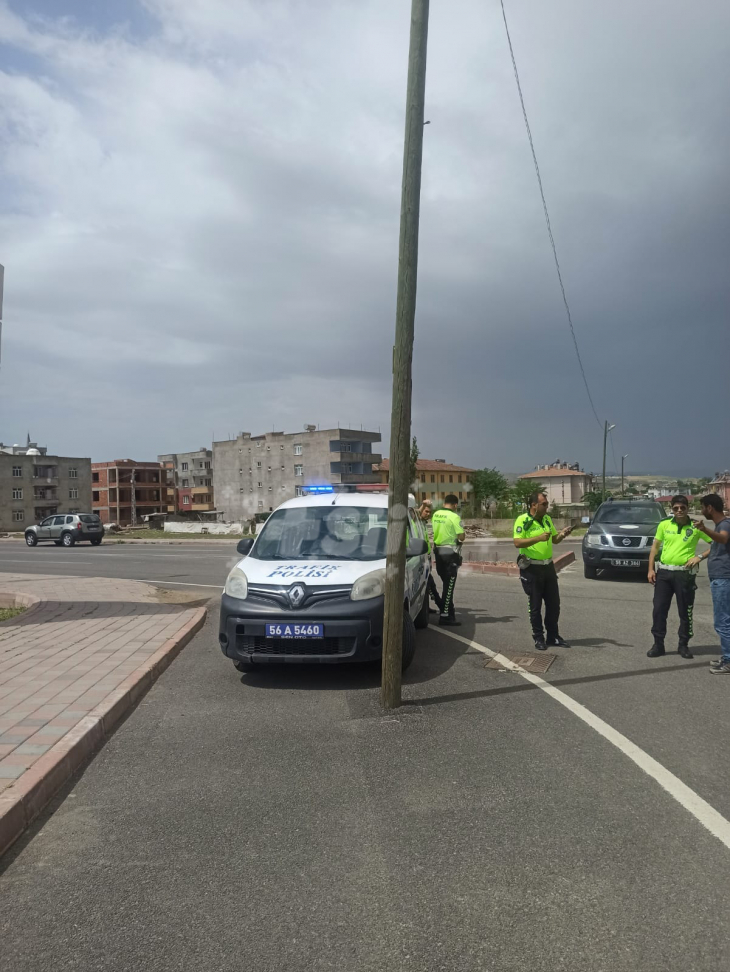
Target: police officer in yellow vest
point(448, 535)
point(674, 574)
point(534, 535)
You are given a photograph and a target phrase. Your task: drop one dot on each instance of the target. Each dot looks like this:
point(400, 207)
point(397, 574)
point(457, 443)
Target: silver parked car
point(66, 529)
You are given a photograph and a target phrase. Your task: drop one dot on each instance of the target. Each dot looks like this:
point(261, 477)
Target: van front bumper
point(353, 631)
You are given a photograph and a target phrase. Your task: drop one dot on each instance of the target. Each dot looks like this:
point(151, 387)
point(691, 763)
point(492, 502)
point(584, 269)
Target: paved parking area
point(281, 820)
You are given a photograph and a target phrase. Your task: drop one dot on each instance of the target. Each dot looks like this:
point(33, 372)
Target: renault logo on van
point(296, 595)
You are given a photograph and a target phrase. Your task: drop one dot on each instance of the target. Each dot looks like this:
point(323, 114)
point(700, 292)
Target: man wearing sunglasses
point(675, 575)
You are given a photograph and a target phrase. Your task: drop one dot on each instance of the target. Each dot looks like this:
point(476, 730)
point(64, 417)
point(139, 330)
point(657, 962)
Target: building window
point(73, 474)
point(17, 493)
point(186, 501)
point(433, 478)
point(423, 477)
point(186, 483)
point(345, 446)
point(347, 467)
point(299, 470)
point(283, 487)
point(95, 496)
point(461, 496)
point(73, 494)
point(184, 466)
point(207, 465)
point(270, 488)
point(18, 516)
point(261, 485)
point(269, 469)
point(283, 468)
point(268, 448)
point(451, 479)
point(459, 477)
point(258, 465)
point(95, 477)
point(17, 471)
point(297, 490)
point(297, 450)
point(281, 447)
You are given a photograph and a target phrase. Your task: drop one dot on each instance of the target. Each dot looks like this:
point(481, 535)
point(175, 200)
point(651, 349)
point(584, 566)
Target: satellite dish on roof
point(33, 452)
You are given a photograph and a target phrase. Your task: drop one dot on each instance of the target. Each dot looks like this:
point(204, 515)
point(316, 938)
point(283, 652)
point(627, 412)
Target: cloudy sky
point(199, 206)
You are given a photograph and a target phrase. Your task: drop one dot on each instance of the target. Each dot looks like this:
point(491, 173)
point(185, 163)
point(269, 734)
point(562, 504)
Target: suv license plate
point(626, 563)
point(294, 630)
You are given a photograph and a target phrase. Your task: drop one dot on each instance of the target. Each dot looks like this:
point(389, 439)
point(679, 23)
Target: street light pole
point(606, 429)
point(622, 472)
point(400, 422)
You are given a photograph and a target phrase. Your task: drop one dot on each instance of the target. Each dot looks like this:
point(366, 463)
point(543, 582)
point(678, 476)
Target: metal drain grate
point(529, 661)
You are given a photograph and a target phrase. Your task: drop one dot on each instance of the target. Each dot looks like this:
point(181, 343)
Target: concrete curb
point(21, 803)
point(510, 569)
point(113, 539)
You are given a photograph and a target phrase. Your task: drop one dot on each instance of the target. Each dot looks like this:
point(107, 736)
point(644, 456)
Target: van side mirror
point(244, 546)
point(416, 547)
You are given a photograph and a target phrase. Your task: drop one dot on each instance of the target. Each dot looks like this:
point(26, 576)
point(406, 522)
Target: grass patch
point(7, 613)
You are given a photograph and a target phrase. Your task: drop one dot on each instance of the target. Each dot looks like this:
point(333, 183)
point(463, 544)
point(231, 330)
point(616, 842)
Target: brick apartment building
point(191, 479)
point(125, 491)
point(254, 474)
point(435, 479)
point(34, 485)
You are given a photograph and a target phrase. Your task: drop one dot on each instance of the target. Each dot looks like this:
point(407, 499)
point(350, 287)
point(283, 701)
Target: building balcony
point(369, 457)
point(201, 490)
point(202, 507)
point(355, 478)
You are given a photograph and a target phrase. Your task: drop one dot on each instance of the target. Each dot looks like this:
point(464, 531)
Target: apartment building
point(192, 480)
point(125, 491)
point(255, 473)
point(34, 485)
point(435, 479)
point(564, 483)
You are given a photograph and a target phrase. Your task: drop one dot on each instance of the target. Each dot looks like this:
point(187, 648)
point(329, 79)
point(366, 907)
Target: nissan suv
point(66, 529)
point(621, 535)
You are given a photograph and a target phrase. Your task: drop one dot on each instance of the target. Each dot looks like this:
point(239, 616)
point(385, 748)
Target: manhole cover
point(529, 661)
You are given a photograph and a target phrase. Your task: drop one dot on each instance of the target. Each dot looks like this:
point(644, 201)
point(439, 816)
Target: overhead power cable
point(547, 216)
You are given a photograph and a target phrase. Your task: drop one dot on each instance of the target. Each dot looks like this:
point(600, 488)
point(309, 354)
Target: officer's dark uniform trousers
point(540, 583)
point(682, 585)
point(448, 562)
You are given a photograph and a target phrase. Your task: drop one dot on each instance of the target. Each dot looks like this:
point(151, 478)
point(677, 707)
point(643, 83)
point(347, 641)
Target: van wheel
point(590, 572)
point(243, 666)
point(68, 540)
point(409, 640)
point(422, 616)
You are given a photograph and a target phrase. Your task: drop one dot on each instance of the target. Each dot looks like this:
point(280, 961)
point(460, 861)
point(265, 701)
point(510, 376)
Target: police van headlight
point(593, 539)
point(369, 585)
point(237, 584)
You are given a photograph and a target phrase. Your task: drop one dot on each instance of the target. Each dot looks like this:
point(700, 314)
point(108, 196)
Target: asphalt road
point(282, 821)
point(192, 564)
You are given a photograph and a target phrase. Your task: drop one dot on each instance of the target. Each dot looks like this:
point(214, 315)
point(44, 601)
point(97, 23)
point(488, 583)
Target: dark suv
point(621, 535)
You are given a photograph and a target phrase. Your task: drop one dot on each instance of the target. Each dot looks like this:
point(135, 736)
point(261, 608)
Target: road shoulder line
point(713, 821)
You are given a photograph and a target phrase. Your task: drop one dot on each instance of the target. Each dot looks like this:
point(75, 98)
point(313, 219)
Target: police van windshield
point(613, 513)
point(323, 533)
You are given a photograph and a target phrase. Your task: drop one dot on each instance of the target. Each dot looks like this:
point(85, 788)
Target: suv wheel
point(590, 572)
point(409, 640)
point(243, 666)
point(95, 543)
point(68, 540)
point(31, 539)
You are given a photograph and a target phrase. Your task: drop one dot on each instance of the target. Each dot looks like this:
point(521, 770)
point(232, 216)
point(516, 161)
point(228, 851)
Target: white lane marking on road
point(164, 580)
point(7, 560)
point(699, 808)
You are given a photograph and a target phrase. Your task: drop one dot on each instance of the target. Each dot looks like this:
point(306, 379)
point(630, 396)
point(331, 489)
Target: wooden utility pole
point(400, 423)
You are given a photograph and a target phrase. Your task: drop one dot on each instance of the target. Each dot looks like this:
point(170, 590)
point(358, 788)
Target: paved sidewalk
point(70, 667)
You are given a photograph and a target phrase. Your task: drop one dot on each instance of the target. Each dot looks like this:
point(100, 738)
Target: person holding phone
point(675, 575)
point(534, 535)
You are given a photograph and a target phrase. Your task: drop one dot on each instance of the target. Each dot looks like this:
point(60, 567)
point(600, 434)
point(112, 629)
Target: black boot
point(655, 652)
point(684, 651)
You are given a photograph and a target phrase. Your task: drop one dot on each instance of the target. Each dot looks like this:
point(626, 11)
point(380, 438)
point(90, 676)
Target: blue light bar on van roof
point(318, 489)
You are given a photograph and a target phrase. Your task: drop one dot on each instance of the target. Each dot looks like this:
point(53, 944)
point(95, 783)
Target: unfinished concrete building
point(125, 491)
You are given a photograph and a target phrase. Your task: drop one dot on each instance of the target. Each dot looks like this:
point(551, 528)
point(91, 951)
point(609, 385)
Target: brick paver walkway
point(71, 656)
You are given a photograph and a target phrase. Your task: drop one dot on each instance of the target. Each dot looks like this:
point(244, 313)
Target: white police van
point(310, 587)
